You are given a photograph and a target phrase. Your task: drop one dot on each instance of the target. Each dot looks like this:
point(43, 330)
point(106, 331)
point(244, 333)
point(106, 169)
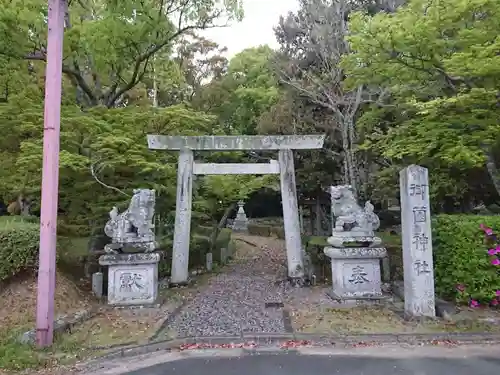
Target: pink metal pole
point(50, 177)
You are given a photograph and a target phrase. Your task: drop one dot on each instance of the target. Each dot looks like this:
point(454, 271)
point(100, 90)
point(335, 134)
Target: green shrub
point(19, 242)
point(395, 255)
point(461, 258)
point(73, 230)
point(165, 243)
point(223, 238)
point(314, 246)
point(198, 248)
point(19, 219)
point(204, 230)
point(319, 241)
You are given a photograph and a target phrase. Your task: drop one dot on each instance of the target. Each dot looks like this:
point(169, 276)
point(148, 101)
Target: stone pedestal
point(132, 278)
point(240, 223)
point(356, 272)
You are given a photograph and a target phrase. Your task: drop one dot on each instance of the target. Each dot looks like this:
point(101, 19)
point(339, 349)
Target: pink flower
point(498, 293)
point(495, 262)
point(492, 251)
point(494, 302)
point(486, 230)
point(473, 303)
point(460, 287)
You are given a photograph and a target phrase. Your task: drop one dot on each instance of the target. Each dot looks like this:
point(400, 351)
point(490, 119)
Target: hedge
point(223, 239)
point(314, 246)
point(19, 242)
point(461, 258)
point(204, 230)
point(198, 248)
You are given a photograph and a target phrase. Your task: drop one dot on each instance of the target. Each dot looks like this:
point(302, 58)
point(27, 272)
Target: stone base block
point(356, 272)
point(132, 278)
point(183, 284)
point(240, 226)
point(352, 302)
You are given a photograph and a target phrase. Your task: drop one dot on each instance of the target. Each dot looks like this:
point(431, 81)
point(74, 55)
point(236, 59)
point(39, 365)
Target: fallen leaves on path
point(295, 344)
point(363, 344)
point(193, 346)
point(451, 343)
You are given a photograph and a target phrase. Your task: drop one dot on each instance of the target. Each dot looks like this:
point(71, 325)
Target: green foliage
point(437, 61)
point(16, 356)
point(216, 193)
point(111, 142)
point(314, 246)
point(19, 242)
point(204, 230)
point(223, 238)
point(315, 241)
point(461, 258)
point(244, 93)
point(198, 248)
point(109, 46)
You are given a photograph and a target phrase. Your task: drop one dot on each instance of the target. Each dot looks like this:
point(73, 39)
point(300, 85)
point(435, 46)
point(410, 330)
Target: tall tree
point(440, 62)
point(246, 90)
point(109, 44)
point(313, 42)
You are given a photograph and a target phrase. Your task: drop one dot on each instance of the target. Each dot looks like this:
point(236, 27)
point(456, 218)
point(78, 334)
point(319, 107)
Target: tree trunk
point(301, 219)
point(493, 171)
point(311, 220)
point(220, 225)
point(317, 217)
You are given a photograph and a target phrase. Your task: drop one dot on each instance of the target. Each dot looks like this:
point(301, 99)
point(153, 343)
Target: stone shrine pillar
point(180, 252)
point(291, 220)
point(354, 250)
point(240, 223)
point(132, 278)
point(417, 242)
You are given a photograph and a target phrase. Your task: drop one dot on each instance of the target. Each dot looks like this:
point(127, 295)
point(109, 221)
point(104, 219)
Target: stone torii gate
point(187, 168)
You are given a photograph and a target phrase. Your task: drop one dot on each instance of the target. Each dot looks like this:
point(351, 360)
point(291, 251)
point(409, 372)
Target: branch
point(314, 97)
point(491, 167)
point(92, 171)
point(73, 74)
point(400, 56)
point(144, 57)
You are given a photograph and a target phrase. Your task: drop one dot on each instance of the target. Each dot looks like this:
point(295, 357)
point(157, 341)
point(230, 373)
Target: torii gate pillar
point(187, 168)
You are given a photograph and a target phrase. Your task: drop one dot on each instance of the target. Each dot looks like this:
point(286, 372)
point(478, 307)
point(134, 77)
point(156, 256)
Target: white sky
point(255, 29)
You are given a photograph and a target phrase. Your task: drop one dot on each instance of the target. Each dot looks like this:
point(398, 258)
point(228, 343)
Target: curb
point(325, 340)
point(61, 323)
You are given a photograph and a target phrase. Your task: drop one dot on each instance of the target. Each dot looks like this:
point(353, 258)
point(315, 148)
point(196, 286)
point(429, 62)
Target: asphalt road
point(345, 364)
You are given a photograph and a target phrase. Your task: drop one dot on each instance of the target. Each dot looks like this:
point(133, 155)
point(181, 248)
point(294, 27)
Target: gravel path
point(233, 302)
